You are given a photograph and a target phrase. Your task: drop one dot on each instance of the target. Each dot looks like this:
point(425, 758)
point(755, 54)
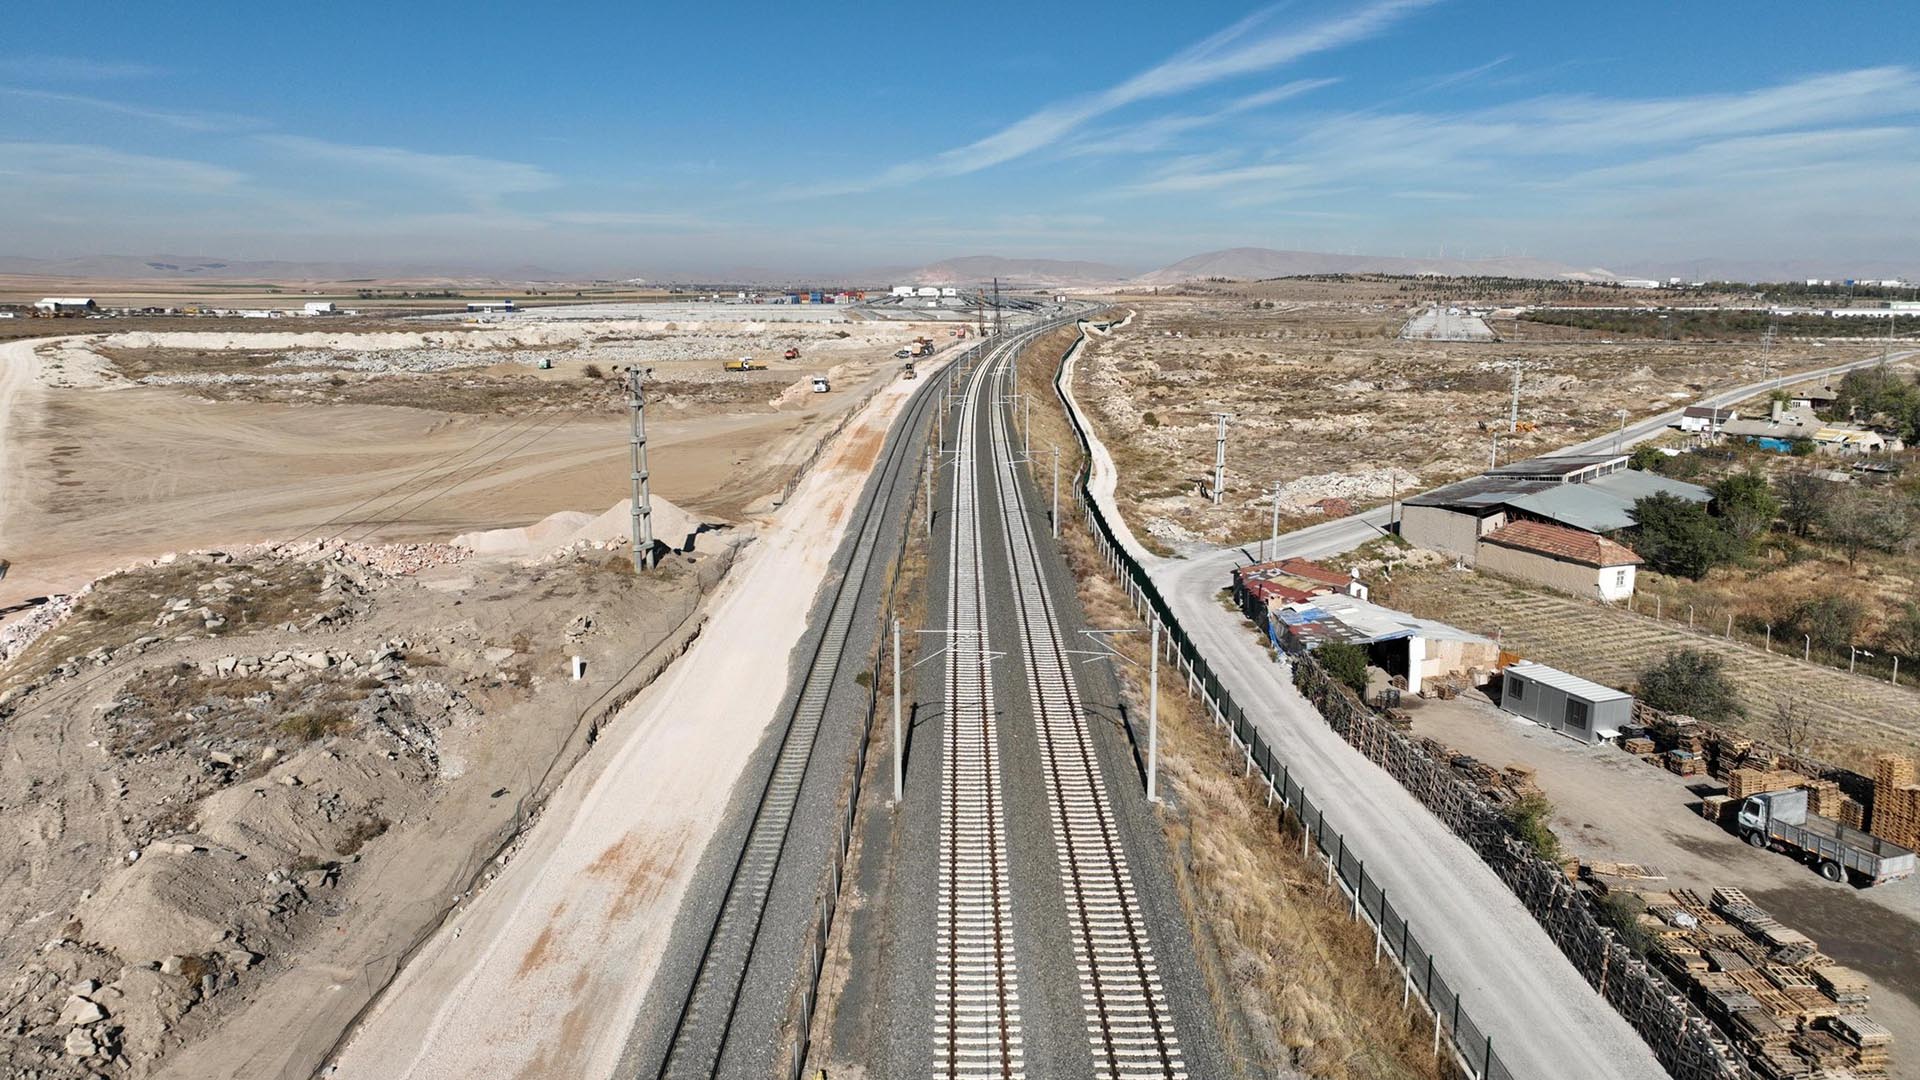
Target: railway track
point(1128, 1022)
point(706, 1018)
point(977, 998)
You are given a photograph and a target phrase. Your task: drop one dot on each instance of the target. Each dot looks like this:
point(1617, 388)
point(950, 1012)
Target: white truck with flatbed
point(1781, 820)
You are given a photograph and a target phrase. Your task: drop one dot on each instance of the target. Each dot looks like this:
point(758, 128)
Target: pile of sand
point(671, 526)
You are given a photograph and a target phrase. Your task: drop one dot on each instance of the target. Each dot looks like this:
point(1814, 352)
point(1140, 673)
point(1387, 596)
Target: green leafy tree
point(1678, 536)
point(1692, 682)
point(1745, 505)
point(1346, 664)
point(1875, 393)
point(1646, 459)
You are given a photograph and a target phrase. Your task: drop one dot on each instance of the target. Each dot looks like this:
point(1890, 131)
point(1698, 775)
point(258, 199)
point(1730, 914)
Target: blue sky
point(638, 138)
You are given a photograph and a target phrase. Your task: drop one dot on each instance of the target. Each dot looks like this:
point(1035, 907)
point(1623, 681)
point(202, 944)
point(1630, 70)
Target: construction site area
point(305, 629)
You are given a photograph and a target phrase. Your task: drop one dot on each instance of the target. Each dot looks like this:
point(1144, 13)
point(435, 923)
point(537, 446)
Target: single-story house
point(320, 307)
point(1596, 498)
point(1263, 585)
point(1702, 419)
point(1781, 422)
point(1571, 560)
point(1817, 398)
point(1845, 439)
point(1400, 644)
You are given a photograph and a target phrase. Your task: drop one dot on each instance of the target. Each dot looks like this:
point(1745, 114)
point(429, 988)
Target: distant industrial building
point(320, 307)
point(65, 305)
point(902, 290)
point(1574, 707)
point(488, 307)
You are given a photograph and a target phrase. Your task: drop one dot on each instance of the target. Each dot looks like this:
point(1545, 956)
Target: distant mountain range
point(1254, 264)
point(1237, 264)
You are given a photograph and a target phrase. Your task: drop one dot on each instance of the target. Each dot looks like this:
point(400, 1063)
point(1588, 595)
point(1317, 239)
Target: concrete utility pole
point(897, 753)
point(1026, 429)
point(1493, 455)
point(1513, 412)
point(927, 486)
point(1153, 713)
point(637, 444)
point(1621, 435)
point(1220, 455)
point(996, 307)
point(1273, 531)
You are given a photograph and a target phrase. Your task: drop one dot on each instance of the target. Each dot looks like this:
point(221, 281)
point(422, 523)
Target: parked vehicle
point(1781, 820)
point(820, 384)
point(792, 353)
point(907, 372)
point(745, 363)
point(902, 354)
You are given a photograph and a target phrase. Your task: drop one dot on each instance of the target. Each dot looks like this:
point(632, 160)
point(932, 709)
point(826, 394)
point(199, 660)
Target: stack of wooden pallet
point(1639, 746)
point(1789, 1009)
point(1896, 800)
point(1824, 798)
point(1686, 763)
point(1744, 782)
point(1871, 1043)
point(1716, 808)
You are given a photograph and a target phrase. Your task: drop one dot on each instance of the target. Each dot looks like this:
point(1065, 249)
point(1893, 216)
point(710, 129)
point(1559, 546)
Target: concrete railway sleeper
point(1128, 1020)
point(706, 1017)
point(977, 999)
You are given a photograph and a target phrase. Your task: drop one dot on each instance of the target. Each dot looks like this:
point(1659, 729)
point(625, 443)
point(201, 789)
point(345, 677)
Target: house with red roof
point(1570, 560)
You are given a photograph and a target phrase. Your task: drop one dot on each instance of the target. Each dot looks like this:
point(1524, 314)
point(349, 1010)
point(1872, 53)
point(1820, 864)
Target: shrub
point(1692, 682)
point(1679, 537)
point(591, 371)
point(1346, 664)
point(1529, 817)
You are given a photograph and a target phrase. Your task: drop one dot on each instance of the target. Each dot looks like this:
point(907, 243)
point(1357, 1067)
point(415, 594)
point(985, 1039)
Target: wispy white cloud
point(185, 120)
point(73, 69)
point(1162, 131)
point(1245, 48)
point(466, 176)
point(1552, 141)
point(43, 164)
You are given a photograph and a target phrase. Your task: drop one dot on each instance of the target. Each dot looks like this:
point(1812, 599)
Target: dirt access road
point(1609, 805)
point(545, 973)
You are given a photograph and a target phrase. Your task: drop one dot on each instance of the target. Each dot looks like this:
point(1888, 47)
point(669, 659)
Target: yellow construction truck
point(745, 363)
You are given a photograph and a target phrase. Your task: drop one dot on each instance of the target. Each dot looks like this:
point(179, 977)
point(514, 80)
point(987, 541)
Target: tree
point(1678, 536)
point(1858, 519)
point(1902, 632)
point(1871, 392)
point(1831, 619)
point(1691, 682)
point(1804, 499)
point(1646, 458)
point(1790, 726)
point(1745, 504)
point(1346, 664)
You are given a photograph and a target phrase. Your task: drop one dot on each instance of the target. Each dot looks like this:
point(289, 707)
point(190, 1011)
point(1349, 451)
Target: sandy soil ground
point(1610, 806)
point(1327, 401)
point(267, 775)
point(99, 469)
point(545, 972)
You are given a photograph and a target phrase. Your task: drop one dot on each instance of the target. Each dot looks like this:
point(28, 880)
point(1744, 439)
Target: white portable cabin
point(1565, 703)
